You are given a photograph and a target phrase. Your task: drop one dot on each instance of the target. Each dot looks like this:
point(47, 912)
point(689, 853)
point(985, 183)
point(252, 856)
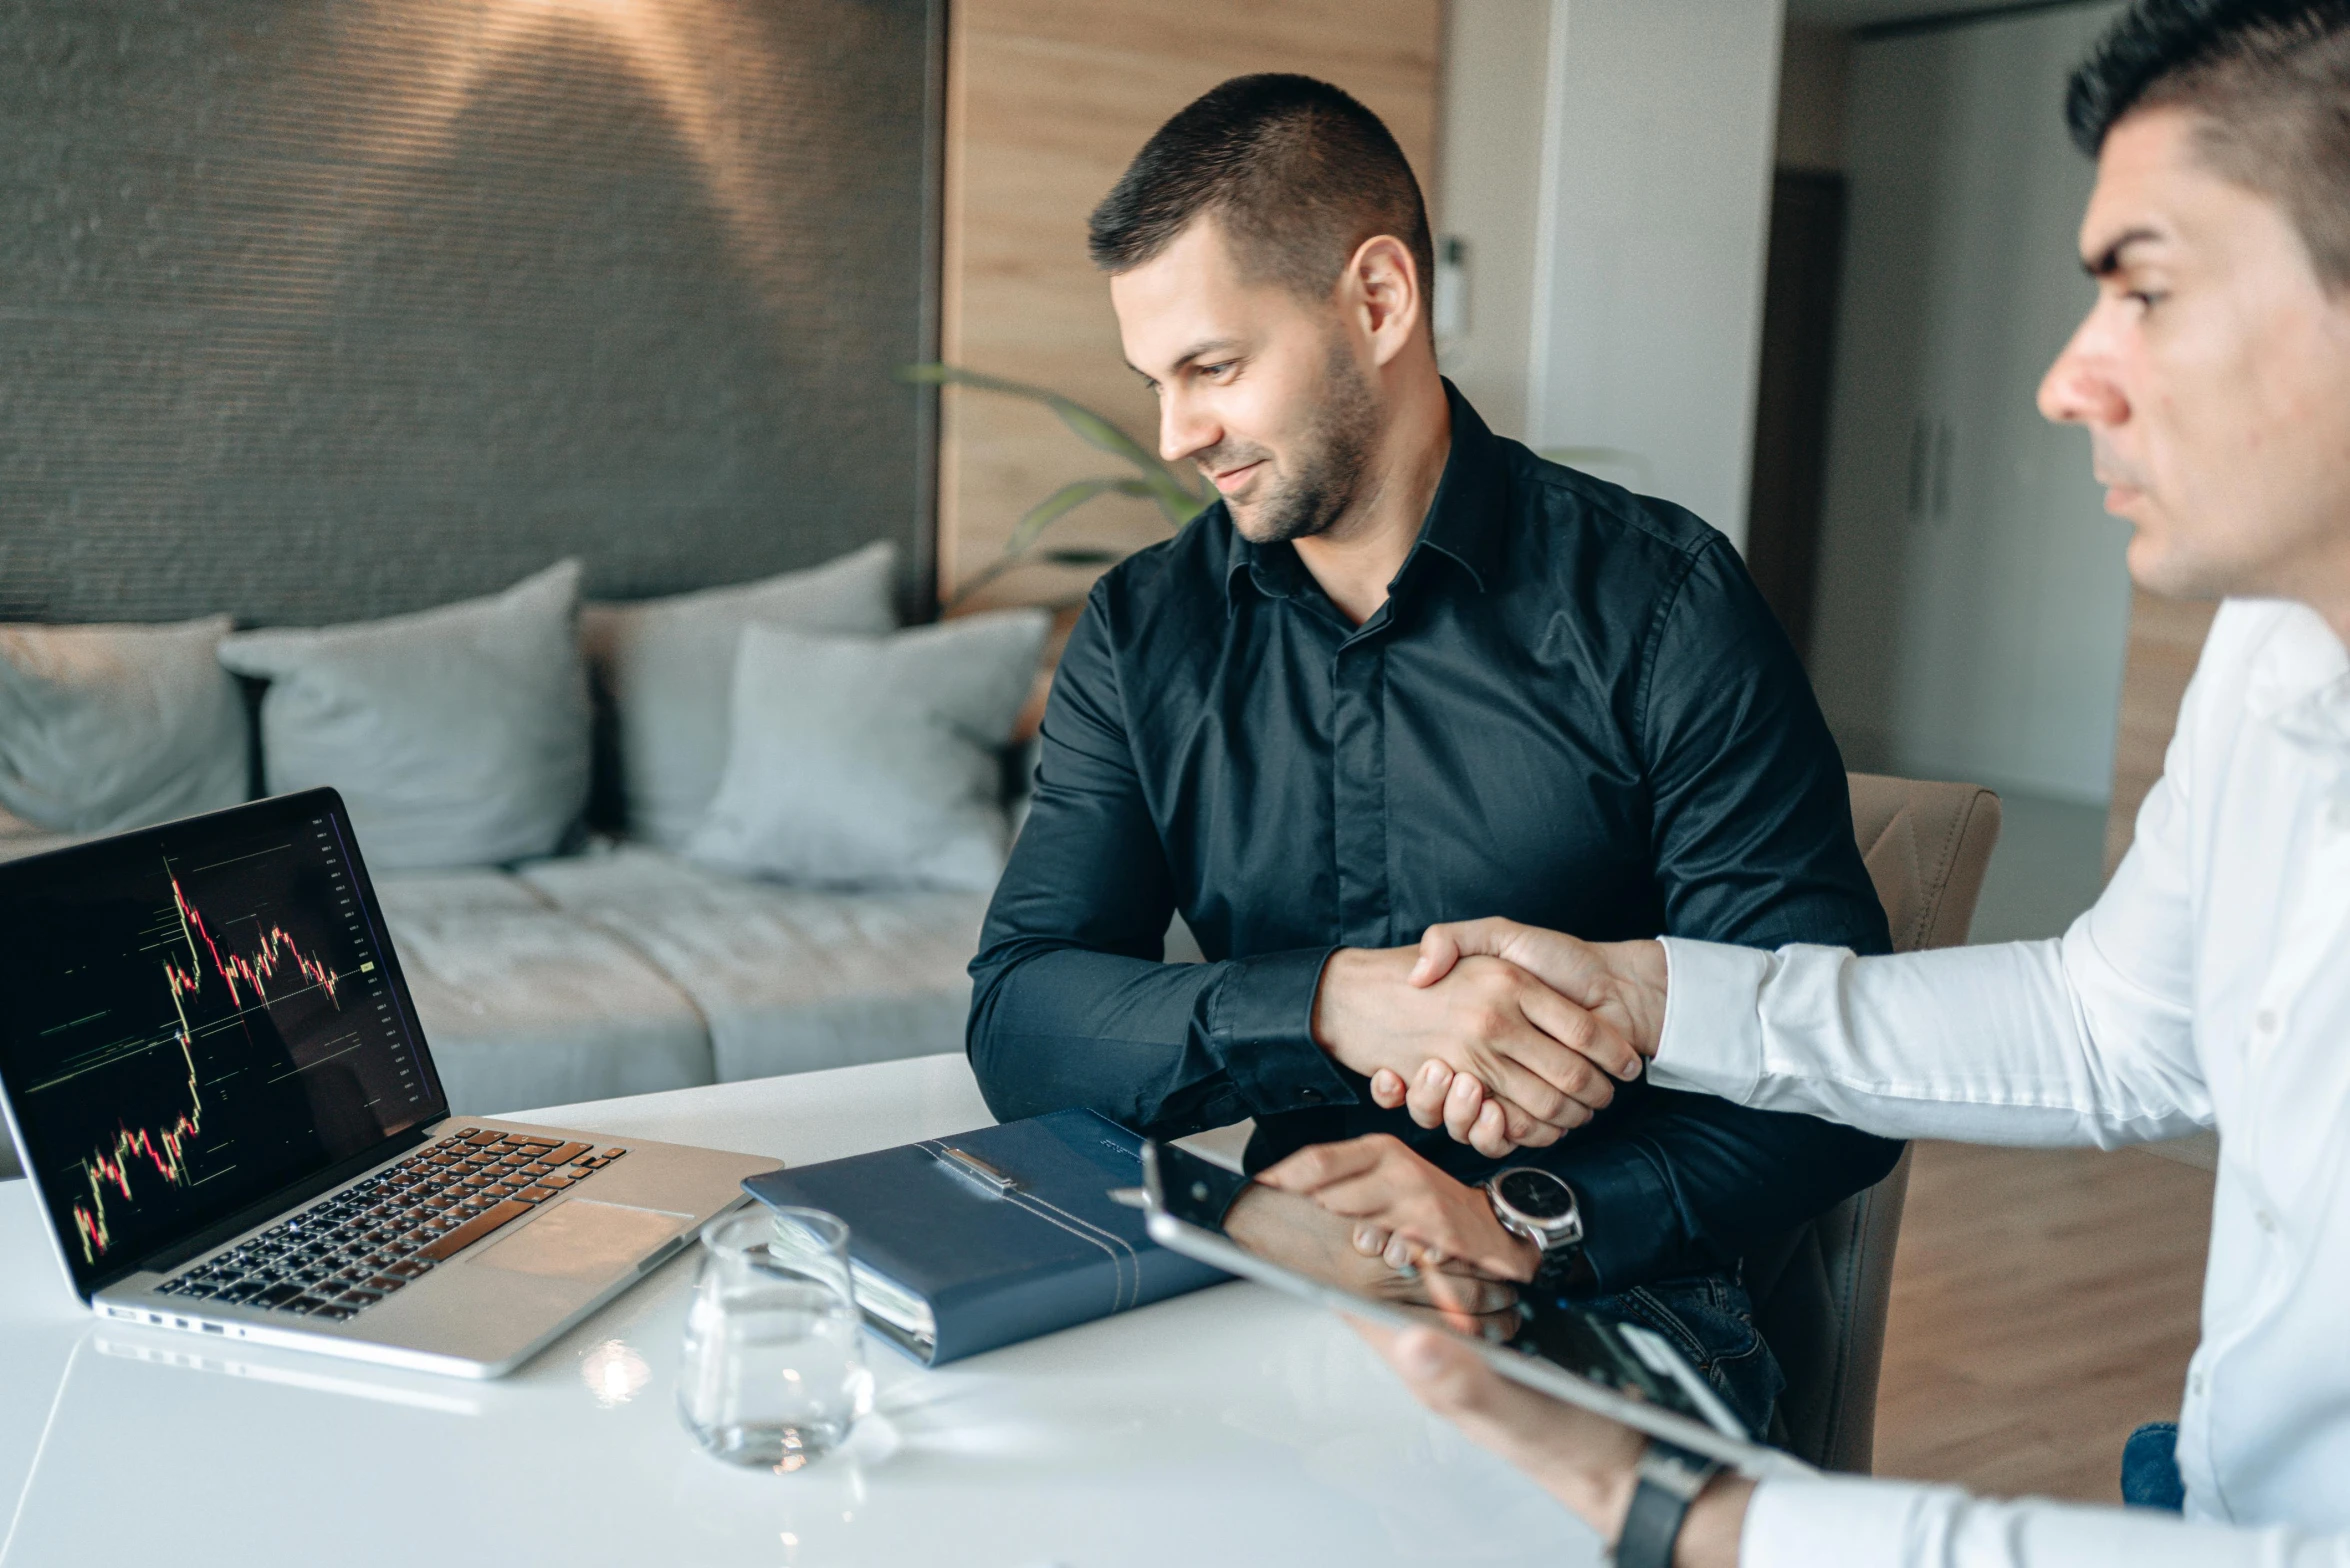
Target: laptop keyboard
point(343, 1256)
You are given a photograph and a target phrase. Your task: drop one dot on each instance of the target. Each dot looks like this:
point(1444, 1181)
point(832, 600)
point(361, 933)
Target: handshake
point(1507, 1036)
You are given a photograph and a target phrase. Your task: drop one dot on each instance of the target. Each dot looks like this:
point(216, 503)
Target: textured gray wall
point(313, 309)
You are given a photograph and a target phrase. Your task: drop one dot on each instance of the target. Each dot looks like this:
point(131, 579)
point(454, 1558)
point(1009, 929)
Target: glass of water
point(774, 1371)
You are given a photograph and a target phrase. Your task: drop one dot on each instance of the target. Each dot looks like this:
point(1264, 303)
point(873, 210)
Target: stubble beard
point(1330, 460)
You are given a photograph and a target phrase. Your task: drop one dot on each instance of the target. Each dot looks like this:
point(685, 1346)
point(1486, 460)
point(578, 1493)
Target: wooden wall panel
point(2166, 638)
point(1047, 101)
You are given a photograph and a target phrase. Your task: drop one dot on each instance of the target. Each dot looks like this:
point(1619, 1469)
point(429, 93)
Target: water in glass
point(774, 1370)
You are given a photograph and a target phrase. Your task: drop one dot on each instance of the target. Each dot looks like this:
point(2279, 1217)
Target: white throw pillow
point(669, 664)
point(873, 761)
point(458, 736)
point(107, 728)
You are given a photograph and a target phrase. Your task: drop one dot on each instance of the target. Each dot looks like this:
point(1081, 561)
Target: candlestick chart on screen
point(178, 1044)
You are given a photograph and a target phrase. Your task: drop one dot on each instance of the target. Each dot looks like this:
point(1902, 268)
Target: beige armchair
point(1820, 1293)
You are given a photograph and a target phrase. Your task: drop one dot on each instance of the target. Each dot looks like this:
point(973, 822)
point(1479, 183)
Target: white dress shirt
point(2209, 986)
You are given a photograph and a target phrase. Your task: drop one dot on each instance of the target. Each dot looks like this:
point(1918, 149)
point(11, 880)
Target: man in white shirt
point(2209, 986)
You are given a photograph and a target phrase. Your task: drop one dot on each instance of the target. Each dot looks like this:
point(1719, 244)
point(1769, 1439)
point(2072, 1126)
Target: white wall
point(1971, 619)
point(1496, 56)
point(1647, 310)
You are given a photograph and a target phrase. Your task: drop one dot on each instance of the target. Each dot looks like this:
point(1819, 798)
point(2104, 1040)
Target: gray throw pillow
point(107, 728)
point(458, 736)
point(669, 663)
point(873, 761)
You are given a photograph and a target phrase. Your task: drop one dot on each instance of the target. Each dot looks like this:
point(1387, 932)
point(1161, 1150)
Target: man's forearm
point(1163, 1048)
point(1991, 1044)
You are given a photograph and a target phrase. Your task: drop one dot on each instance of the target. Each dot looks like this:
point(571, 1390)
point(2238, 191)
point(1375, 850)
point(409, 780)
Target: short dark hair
point(2270, 80)
point(1299, 173)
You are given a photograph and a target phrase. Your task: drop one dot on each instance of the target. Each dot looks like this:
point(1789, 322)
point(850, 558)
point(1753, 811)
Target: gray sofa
point(627, 969)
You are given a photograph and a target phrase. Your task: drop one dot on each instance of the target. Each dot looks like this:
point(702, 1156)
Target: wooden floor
point(2044, 1303)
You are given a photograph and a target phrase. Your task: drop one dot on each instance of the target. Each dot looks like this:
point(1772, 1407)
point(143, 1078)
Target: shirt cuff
point(1629, 1236)
point(1831, 1521)
point(1712, 1041)
point(1261, 1029)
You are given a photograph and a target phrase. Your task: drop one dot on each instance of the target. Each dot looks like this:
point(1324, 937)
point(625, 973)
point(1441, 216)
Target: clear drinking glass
point(774, 1370)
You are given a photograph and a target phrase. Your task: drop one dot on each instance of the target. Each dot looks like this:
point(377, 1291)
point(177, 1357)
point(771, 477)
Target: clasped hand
point(1506, 1035)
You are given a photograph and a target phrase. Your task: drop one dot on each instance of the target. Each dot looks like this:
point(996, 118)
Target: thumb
point(1442, 946)
point(1439, 951)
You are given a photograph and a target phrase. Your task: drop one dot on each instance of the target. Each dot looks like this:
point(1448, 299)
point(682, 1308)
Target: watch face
point(1538, 1195)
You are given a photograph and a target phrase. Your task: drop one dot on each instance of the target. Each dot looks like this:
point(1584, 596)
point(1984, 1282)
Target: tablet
point(1619, 1370)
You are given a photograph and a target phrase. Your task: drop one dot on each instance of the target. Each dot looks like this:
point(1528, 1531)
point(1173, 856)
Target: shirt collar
point(2301, 680)
point(1464, 522)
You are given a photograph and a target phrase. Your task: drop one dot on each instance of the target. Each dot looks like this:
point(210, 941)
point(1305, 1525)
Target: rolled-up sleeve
point(1071, 1003)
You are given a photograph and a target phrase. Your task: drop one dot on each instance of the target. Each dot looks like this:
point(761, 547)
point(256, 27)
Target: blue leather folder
point(987, 1238)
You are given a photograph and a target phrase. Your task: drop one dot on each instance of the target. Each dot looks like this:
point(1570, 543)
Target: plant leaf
point(1176, 499)
point(1061, 503)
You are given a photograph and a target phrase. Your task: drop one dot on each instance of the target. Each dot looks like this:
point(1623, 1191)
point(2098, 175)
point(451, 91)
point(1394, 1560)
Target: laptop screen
point(197, 1016)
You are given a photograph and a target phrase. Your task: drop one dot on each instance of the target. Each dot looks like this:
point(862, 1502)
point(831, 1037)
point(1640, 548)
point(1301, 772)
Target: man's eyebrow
point(1199, 350)
point(2108, 261)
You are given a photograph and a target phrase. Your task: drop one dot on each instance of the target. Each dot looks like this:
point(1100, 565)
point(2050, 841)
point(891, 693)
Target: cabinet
point(1973, 603)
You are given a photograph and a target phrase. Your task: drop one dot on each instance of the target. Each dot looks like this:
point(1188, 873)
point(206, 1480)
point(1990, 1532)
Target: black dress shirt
point(1574, 710)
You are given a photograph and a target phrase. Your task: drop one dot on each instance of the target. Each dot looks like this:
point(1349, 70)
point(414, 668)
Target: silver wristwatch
point(1536, 1205)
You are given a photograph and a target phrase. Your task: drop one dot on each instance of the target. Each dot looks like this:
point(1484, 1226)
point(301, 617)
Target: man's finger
point(1370, 1240)
point(1471, 1294)
point(1584, 1033)
point(1317, 1165)
point(1462, 1103)
point(1388, 1089)
point(1425, 1096)
point(1438, 953)
point(1490, 1135)
point(1527, 1132)
point(1442, 946)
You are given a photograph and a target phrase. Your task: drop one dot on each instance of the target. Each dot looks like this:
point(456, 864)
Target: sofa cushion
point(667, 664)
point(458, 736)
point(872, 762)
point(106, 728)
point(789, 979)
point(524, 1005)
point(19, 838)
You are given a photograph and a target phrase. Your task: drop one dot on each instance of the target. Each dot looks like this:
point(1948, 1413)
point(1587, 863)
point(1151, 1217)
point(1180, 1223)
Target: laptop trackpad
point(584, 1240)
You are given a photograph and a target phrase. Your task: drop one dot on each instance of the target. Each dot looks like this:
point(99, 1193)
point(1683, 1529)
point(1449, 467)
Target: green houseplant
point(1178, 497)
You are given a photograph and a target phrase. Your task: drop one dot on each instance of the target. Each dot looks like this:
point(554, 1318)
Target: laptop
point(218, 1086)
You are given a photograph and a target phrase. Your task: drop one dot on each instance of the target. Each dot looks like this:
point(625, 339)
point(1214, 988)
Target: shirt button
point(1310, 1096)
point(2195, 1384)
point(2338, 814)
point(2265, 1220)
point(2265, 1020)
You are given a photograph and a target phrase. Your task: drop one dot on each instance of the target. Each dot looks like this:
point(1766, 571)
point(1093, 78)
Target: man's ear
point(1381, 289)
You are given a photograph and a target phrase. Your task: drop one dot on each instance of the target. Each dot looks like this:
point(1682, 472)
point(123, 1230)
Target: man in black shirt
point(1404, 671)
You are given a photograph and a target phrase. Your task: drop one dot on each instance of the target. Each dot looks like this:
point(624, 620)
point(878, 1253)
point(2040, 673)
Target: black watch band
point(1670, 1479)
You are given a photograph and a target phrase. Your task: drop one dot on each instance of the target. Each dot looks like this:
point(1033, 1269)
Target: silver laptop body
point(218, 1086)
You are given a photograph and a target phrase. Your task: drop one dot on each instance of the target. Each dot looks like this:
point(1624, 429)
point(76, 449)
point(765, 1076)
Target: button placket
point(1358, 784)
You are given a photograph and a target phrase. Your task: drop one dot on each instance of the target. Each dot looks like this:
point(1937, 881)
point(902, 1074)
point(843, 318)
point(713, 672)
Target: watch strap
point(1670, 1481)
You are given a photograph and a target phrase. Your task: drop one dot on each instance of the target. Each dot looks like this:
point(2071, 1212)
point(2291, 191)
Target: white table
point(1230, 1426)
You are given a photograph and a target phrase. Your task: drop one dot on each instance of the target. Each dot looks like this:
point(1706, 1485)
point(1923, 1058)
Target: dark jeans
point(1710, 1319)
point(2150, 1468)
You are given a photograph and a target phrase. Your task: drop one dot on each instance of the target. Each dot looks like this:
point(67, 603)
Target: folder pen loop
point(977, 1171)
